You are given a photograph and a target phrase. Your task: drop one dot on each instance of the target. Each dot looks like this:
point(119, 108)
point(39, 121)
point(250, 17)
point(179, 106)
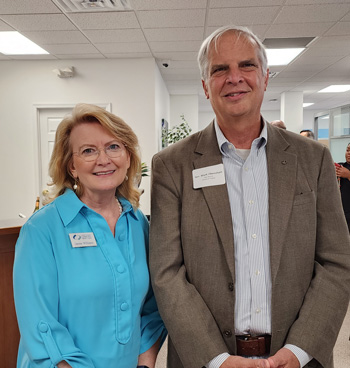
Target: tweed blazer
point(192, 250)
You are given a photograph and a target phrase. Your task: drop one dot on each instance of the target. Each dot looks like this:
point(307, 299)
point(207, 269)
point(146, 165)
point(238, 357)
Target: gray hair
point(238, 31)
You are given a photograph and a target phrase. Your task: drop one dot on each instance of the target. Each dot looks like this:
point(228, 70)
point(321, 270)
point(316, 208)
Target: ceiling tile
point(79, 56)
point(243, 3)
point(174, 34)
point(312, 13)
point(167, 4)
point(120, 47)
point(190, 55)
point(298, 29)
point(118, 35)
point(241, 16)
point(129, 55)
point(172, 18)
point(47, 22)
point(72, 49)
point(175, 46)
point(27, 7)
point(339, 29)
point(5, 27)
point(56, 37)
point(106, 20)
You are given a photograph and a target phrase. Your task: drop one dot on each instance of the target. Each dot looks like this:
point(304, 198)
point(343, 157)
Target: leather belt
point(248, 345)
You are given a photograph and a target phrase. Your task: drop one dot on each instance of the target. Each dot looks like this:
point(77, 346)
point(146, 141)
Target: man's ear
point(205, 88)
point(267, 78)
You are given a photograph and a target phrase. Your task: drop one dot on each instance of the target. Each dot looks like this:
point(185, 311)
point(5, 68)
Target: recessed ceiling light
point(282, 56)
point(13, 43)
point(306, 104)
point(336, 88)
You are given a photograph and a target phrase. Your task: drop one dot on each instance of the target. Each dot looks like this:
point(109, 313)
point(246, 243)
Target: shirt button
point(227, 333)
point(230, 146)
point(124, 306)
point(257, 310)
point(230, 286)
point(257, 272)
point(121, 236)
point(246, 169)
point(120, 269)
point(251, 201)
point(254, 236)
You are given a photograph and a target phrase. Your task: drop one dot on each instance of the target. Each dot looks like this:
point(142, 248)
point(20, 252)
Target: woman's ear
point(71, 169)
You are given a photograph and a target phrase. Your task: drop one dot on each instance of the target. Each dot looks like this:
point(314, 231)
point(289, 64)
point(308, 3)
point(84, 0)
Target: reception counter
point(9, 334)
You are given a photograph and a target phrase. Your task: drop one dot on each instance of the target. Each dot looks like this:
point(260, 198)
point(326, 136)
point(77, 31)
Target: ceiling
point(171, 31)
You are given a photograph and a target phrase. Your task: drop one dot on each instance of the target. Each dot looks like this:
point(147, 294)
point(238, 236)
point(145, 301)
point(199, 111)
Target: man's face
point(235, 84)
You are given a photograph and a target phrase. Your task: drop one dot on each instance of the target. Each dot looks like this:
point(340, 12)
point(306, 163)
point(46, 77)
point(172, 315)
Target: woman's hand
point(342, 172)
point(149, 357)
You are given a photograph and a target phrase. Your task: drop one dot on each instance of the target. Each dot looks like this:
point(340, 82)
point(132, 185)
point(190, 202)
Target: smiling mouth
point(234, 94)
point(104, 173)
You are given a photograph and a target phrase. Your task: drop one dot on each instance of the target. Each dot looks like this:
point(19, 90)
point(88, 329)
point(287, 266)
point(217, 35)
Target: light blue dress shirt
point(92, 306)
point(247, 185)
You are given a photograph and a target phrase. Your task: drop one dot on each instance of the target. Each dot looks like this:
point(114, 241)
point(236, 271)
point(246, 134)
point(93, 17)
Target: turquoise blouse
point(82, 295)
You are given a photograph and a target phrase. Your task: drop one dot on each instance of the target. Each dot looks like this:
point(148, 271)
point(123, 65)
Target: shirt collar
point(69, 205)
point(258, 142)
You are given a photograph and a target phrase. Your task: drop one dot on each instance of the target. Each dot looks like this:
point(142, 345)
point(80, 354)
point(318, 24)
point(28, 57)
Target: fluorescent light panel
point(13, 43)
point(336, 88)
point(282, 56)
point(306, 104)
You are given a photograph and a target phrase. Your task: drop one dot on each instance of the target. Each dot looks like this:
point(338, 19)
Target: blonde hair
point(59, 167)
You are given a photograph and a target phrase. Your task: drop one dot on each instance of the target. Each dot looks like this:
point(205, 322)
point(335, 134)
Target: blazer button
point(227, 333)
point(230, 286)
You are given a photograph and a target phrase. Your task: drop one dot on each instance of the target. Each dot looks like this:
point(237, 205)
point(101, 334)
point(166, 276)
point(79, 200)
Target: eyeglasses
point(88, 154)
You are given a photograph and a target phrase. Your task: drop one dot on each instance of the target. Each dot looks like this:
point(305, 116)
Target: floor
point(341, 350)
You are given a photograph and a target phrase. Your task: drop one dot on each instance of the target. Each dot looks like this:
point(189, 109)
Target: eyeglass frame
point(98, 151)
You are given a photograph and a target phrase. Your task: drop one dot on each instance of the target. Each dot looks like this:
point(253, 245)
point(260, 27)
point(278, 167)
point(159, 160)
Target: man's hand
point(239, 362)
point(284, 358)
point(342, 172)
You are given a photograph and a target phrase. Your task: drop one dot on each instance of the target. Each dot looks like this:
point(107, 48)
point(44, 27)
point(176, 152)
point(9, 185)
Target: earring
point(75, 186)
point(126, 178)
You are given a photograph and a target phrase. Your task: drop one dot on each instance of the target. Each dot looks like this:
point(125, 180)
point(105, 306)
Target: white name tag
point(80, 240)
point(208, 176)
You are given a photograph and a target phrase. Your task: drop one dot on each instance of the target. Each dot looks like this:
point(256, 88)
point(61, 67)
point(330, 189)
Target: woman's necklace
point(120, 207)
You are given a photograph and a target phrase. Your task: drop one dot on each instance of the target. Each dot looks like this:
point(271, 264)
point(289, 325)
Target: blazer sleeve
point(46, 342)
point(327, 297)
point(191, 326)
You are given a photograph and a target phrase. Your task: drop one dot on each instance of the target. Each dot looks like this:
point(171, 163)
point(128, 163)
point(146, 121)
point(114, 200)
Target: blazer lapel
point(216, 196)
point(282, 172)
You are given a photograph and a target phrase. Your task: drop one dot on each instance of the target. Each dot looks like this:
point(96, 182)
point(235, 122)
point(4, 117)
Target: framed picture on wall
point(164, 130)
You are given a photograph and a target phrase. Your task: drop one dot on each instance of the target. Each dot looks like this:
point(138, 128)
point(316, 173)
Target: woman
point(342, 170)
point(81, 283)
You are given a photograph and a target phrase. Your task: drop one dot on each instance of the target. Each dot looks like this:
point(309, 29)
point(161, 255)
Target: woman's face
point(101, 174)
point(347, 154)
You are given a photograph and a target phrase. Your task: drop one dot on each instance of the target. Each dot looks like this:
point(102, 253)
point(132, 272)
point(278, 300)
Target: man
point(279, 124)
point(342, 170)
point(307, 133)
point(250, 254)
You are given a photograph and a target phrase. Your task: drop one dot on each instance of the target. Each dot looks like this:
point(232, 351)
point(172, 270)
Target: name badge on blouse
point(208, 176)
point(81, 240)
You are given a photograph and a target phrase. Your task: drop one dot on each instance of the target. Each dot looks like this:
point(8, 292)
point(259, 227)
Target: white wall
point(186, 105)
point(128, 84)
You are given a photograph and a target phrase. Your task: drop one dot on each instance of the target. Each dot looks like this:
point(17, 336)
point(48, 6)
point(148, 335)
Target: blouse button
point(124, 306)
point(121, 236)
point(43, 327)
point(120, 269)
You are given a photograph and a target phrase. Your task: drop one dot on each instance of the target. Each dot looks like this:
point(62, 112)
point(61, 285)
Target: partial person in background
point(81, 282)
point(307, 133)
point(278, 124)
point(249, 248)
point(342, 170)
